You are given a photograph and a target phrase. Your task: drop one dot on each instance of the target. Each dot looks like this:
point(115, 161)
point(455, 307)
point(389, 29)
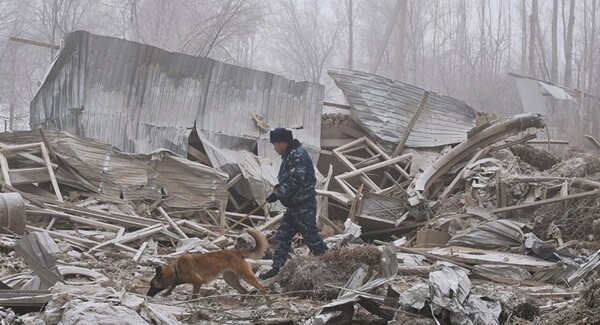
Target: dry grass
point(580, 166)
point(575, 218)
point(585, 311)
point(311, 275)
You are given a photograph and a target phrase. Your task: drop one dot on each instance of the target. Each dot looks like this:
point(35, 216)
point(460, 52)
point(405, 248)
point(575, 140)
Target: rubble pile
point(438, 240)
point(433, 214)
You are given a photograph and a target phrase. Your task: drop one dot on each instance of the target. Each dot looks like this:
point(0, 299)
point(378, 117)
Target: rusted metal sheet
point(384, 108)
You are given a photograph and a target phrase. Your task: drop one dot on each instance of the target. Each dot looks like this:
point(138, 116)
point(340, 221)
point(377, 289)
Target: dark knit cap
point(281, 135)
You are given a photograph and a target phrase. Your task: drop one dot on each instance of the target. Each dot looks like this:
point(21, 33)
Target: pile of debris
point(433, 213)
point(450, 243)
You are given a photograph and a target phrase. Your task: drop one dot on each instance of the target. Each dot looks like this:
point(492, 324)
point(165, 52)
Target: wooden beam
point(48, 145)
point(510, 144)
point(411, 124)
point(199, 155)
point(334, 143)
point(538, 179)
point(27, 155)
point(35, 43)
point(547, 201)
point(542, 141)
point(172, 223)
point(336, 105)
point(593, 141)
point(352, 132)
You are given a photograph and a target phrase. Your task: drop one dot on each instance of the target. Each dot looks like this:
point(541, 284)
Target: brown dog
point(200, 268)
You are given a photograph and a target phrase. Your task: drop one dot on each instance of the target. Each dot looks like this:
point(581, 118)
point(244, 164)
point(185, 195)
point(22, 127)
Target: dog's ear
point(158, 270)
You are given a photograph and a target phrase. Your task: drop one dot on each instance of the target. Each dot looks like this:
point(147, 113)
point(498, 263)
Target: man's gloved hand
point(271, 198)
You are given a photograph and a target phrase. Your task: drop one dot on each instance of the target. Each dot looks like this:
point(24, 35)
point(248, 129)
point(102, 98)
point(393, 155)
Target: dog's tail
point(261, 245)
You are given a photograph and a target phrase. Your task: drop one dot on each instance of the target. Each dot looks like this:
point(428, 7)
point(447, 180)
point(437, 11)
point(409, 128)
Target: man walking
point(296, 191)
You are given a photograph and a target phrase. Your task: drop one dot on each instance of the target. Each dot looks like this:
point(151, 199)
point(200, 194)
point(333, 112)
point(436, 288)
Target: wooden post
point(411, 124)
point(172, 223)
point(35, 43)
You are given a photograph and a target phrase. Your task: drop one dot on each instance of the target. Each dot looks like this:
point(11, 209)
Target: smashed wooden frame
point(362, 157)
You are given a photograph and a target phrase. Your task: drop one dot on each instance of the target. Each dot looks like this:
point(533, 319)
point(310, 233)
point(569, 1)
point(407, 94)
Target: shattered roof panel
point(383, 108)
point(101, 168)
point(142, 98)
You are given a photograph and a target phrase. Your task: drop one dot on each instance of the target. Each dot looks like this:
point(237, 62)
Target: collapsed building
point(140, 98)
point(434, 213)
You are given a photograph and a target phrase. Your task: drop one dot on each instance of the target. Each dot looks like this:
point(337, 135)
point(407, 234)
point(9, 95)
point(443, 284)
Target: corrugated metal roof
point(141, 98)
point(384, 107)
point(99, 167)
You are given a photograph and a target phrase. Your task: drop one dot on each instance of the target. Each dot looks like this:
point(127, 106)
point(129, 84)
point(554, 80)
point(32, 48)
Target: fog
point(464, 49)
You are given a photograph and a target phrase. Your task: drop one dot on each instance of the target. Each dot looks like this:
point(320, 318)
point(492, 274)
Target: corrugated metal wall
point(142, 98)
point(383, 108)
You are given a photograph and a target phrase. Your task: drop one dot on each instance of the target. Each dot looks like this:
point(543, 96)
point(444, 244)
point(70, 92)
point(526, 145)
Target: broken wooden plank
point(77, 241)
point(199, 155)
point(475, 256)
point(536, 179)
point(334, 143)
point(172, 223)
point(142, 233)
point(31, 210)
point(341, 179)
point(498, 279)
point(140, 251)
point(336, 105)
point(411, 124)
point(512, 143)
point(593, 140)
point(271, 223)
point(197, 227)
point(28, 156)
point(5, 170)
point(48, 166)
point(543, 141)
point(547, 201)
point(352, 132)
point(48, 145)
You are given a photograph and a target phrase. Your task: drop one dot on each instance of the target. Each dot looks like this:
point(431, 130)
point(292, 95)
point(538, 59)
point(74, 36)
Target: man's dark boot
point(269, 274)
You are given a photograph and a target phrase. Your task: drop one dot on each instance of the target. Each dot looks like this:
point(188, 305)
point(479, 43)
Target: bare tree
point(192, 27)
point(532, 37)
point(305, 37)
point(400, 55)
point(350, 36)
point(593, 52)
point(554, 69)
point(569, 45)
point(523, 34)
point(54, 18)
